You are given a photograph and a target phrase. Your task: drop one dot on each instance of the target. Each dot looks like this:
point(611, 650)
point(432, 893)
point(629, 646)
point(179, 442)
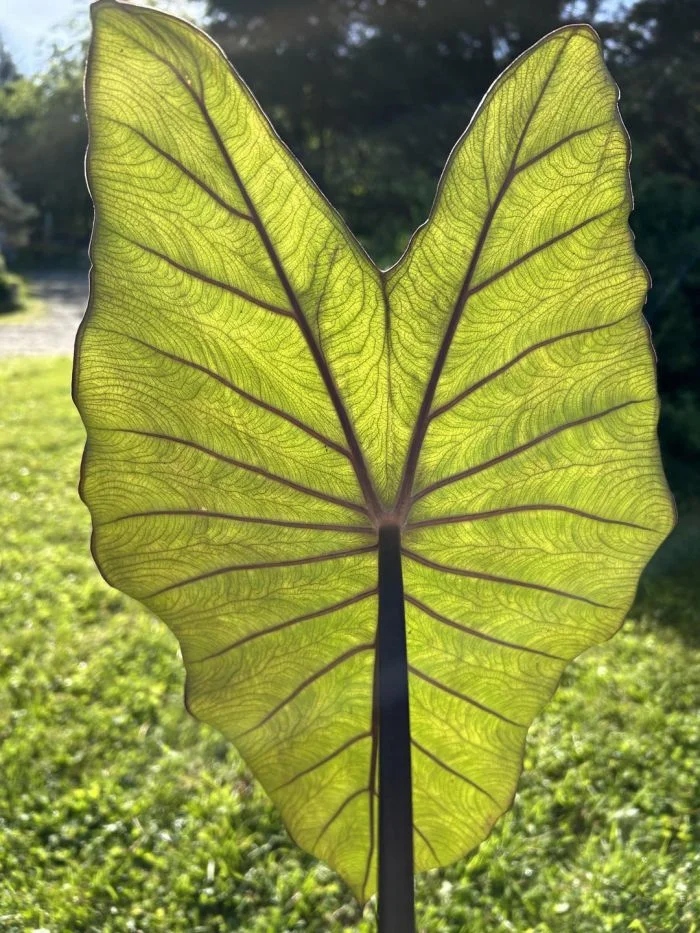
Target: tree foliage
point(15, 214)
point(656, 49)
point(43, 125)
point(371, 95)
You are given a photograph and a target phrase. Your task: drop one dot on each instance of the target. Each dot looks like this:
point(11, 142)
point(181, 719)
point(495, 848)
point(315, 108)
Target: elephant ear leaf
point(260, 400)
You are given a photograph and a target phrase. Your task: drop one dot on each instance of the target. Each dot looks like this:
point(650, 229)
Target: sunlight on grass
point(120, 813)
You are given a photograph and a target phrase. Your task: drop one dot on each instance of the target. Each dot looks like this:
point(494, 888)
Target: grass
point(119, 813)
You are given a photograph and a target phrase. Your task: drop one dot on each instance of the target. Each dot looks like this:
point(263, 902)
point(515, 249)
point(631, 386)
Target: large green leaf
point(260, 399)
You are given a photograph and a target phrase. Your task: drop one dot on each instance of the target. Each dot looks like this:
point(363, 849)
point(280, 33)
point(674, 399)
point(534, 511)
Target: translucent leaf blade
point(260, 399)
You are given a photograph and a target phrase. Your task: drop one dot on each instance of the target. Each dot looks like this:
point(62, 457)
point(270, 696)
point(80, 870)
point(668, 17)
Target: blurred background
point(371, 95)
point(116, 811)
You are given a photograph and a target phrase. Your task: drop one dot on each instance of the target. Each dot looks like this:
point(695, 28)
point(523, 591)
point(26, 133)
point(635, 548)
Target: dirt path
point(52, 333)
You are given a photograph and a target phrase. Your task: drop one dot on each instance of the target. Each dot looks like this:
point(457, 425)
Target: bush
point(12, 293)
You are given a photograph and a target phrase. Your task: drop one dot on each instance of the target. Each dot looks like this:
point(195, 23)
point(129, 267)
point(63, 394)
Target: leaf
point(260, 399)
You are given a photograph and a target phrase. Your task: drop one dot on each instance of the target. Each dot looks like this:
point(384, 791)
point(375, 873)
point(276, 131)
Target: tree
point(8, 70)
point(359, 88)
point(655, 51)
point(45, 135)
point(14, 213)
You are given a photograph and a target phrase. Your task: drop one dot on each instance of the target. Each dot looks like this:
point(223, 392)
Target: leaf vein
point(244, 519)
point(373, 761)
point(207, 279)
point(423, 419)
point(185, 171)
point(475, 632)
point(334, 816)
point(297, 313)
point(457, 774)
point(558, 144)
point(463, 696)
point(514, 509)
point(289, 623)
point(494, 578)
point(427, 841)
point(437, 412)
point(322, 761)
point(267, 406)
point(521, 448)
point(264, 565)
point(312, 678)
point(258, 471)
point(539, 249)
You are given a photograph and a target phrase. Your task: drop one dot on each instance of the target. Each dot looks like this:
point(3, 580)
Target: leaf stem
point(396, 899)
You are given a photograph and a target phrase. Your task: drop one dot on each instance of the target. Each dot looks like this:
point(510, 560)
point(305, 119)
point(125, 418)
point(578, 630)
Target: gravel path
point(65, 296)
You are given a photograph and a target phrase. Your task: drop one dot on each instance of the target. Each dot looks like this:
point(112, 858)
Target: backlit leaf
point(260, 399)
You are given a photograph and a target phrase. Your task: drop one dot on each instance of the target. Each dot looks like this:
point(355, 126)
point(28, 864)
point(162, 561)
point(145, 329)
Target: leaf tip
point(585, 30)
point(99, 5)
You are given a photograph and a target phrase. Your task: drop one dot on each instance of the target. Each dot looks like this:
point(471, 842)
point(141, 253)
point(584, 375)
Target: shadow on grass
point(31, 309)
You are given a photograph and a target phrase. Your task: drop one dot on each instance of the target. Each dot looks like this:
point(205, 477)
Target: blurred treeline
point(372, 95)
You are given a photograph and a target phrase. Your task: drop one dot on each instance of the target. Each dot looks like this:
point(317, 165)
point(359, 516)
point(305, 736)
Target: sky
point(30, 27)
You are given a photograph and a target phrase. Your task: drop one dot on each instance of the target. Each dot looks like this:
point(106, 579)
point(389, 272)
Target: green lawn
point(120, 813)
